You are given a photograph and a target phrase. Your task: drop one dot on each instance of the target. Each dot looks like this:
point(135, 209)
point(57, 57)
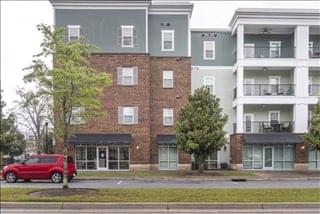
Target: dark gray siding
point(101, 27)
point(261, 43)
point(225, 45)
point(178, 23)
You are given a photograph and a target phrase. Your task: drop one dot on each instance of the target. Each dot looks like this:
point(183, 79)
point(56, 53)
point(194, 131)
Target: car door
point(46, 163)
point(29, 168)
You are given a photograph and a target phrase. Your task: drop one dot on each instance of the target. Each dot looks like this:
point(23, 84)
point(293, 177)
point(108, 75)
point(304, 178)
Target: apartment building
point(264, 68)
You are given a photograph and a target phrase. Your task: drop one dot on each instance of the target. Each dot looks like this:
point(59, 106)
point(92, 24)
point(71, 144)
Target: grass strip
point(171, 195)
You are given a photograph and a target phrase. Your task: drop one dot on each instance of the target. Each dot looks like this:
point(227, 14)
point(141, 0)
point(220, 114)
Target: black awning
point(166, 139)
point(100, 139)
point(270, 138)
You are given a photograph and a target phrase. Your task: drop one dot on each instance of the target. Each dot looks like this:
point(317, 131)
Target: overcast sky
point(20, 38)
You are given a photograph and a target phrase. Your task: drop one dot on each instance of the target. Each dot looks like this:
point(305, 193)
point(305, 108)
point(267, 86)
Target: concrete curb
point(193, 179)
point(149, 206)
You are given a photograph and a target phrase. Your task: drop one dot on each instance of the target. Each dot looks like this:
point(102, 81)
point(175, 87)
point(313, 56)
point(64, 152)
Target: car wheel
point(11, 177)
point(56, 177)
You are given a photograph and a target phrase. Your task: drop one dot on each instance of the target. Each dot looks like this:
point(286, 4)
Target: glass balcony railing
point(268, 89)
point(314, 90)
point(314, 52)
point(269, 52)
point(266, 126)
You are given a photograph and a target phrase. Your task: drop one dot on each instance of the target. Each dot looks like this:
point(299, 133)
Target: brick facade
point(150, 97)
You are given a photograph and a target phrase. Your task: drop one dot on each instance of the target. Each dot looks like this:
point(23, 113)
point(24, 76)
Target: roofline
point(210, 30)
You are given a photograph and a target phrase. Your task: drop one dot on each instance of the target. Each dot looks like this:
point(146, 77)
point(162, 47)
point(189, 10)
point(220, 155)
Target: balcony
point(314, 90)
point(266, 127)
point(314, 52)
point(268, 52)
point(268, 89)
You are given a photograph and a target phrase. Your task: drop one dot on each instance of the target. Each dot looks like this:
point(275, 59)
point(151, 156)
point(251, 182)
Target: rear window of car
point(50, 159)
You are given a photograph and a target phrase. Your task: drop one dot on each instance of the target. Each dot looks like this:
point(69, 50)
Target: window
point(167, 40)
point(168, 157)
point(127, 76)
point(167, 79)
point(275, 49)
point(48, 159)
point(168, 117)
point(314, 159)
point(73, 32)
point(208, 81)
point(127, 36)
point(209, 50)
point(128, 115)
point(32, 160)
point(77, 116)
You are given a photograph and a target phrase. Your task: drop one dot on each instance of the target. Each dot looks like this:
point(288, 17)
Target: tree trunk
point(65, 163)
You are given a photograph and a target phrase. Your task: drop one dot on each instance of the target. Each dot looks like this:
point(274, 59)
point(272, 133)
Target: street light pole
point(46, 137)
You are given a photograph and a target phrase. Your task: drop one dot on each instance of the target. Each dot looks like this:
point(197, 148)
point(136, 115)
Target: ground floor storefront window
point(168, 157)
point(268, 157)
point(98, 157)
point(314, 159)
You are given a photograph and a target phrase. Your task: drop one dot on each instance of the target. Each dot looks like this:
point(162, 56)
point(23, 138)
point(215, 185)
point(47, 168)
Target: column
point(239, 118)
point(239, 82)
point(301, 42)
point(300, 118)
point(240, 41)
point(301, 81)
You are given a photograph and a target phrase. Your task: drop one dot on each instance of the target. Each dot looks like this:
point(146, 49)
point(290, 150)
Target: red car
point(43, 166)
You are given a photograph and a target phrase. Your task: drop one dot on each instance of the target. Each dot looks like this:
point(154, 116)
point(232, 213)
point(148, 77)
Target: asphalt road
point(159, 211)
point(168, 184)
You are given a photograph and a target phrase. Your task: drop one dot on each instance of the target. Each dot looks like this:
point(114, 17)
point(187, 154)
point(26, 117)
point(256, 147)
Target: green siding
point(101, 27)
point(225, 47)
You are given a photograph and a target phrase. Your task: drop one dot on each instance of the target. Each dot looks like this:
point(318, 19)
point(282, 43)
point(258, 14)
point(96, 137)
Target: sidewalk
point(259, 176)
point(164, 206)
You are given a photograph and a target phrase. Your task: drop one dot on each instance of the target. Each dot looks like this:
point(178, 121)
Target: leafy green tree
point(313, 136)
point(199, 129)
point(71, 83)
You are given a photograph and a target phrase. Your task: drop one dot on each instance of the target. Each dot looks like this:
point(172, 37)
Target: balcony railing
point(314, 90)
point(269, 52)
point(266, 127)
point(268, 89)
point(314, 52)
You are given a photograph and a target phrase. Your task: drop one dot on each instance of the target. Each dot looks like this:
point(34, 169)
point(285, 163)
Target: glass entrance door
point(268, 158)
point(102, 158)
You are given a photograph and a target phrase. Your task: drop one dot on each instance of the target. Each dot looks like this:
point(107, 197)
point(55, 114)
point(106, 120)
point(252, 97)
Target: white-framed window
point(209, 52)
point(127, 115)
point(127, 76)
point(73, 32)
point(209, 82)
point(167, 40)
point(167, 79)
point(168, 157)
point(77, 116)
point(275, 49)
point(127, 36)
point(168, 116)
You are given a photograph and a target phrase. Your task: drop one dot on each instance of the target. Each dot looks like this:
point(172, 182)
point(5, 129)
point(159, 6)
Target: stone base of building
point(236, 166)
point(301, 166)
point(139, 167)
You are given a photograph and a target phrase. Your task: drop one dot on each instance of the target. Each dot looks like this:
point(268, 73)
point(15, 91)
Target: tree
point(199, 129)
point(12, 140)
point(313, 137)
point(33, 112)
point(71, 83)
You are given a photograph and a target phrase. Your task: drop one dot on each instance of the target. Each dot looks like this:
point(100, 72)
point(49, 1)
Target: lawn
point(165, 173)
point(171, 195)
